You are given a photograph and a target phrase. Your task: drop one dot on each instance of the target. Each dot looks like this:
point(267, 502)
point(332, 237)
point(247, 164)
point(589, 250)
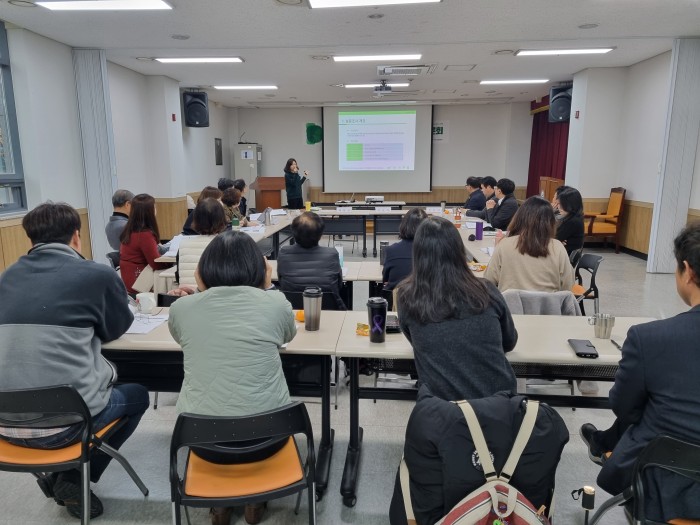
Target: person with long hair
point(139, 241)
point(398, 262)
point(293, 182)
point(459, 325)
point(208, 192)
point(231, 334)
point(530, 258)
point(570, 229)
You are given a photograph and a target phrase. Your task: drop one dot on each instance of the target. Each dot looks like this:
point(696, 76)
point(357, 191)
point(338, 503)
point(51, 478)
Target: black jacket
point(398, 263)
point(500, 216)
point(476, 201)
point(481, 213)
point(439, 453)
point(570, 229)
point(299, 267)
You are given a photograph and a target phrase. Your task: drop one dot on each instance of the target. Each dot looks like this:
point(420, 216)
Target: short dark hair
point(570, 201)
point(51, 222)
point(142, 218)
point(534, 224)
point(686, 247)
point(506, 186)
point(307, 229)
point(121, 197)
point(489, 181)
point(232, 259)
point(231, 196)
point(474, 182)
point(239, 184)
point(224, 184)
point(208, 217)
point(209, 192)
point(289, 164)
point(410, 222)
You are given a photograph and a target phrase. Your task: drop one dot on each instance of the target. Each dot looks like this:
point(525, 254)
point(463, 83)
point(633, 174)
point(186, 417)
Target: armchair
point(608, 224)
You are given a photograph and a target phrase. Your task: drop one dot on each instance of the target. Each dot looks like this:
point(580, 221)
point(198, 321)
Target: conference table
point(542, 352)
point(155, 360)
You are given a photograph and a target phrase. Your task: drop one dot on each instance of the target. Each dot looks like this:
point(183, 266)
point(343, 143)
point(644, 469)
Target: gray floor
point(626, 289)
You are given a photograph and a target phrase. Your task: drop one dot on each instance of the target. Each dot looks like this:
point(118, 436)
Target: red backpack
point(496, 502)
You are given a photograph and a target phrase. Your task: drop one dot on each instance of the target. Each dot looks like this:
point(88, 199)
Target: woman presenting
point(293, 182)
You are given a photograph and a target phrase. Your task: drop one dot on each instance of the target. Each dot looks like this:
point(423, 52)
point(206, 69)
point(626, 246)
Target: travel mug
point(382, 252)
point(312, 308)
point(479, 231)
point(376, 311)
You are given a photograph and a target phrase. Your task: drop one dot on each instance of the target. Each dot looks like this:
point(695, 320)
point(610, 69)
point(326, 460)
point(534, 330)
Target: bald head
point(307, 229)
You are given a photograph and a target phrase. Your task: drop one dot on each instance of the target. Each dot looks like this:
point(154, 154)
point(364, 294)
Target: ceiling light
point(399, 84)
point(545, 52)
point(375, 58)
point(104, 5)
point(202, 60)
point(244, 87)
point(180, 37)
point(320, 57)
point(531, 81)
point(359, 3)
point(375, 16)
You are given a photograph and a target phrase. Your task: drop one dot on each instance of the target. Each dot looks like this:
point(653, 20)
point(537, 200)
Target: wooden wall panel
point(2, 257)
point(636, 226)
point(171, 215)
point(693, 215)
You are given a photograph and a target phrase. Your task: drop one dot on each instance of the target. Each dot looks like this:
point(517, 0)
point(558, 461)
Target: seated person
point(56, 311)
point(398, 260)
point(476, 199)
point(488, 185)
point(305, 263)
point(208, 220)
point(458, 324)
point(231, 334)
point(231, 199)
point(529, 258)
point(657, 392)
point(224, 184)
point(121, 202)
point(555, 200)
point(208, 192)
point(570, 229)
point(241, 186)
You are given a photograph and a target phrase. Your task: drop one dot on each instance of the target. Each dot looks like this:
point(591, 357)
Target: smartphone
point(392, 324)
point(583, 348)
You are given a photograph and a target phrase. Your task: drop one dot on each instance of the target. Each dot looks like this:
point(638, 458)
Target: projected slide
point(377, 140)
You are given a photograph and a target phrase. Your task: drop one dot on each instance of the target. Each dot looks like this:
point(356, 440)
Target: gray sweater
point(114, 229)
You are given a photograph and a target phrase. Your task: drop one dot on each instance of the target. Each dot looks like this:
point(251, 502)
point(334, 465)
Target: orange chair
point(53, 407)
point(608, 224)
point(206, 484)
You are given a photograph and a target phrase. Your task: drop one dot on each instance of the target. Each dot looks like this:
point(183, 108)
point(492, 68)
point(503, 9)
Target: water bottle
point(235, 224)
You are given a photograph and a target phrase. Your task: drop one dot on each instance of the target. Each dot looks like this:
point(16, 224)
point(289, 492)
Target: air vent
point(405, 71)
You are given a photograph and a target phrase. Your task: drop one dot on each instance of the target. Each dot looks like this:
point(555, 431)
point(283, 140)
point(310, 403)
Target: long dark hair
point(534, 224)
point(289, 164)
point(232, 259)
point(142, 217)
point(571, 202)
point(441, 282)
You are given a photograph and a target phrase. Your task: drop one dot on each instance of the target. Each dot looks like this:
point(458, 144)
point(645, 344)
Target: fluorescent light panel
point(245, 87)
point(359, 3)
point(548, 52)
point(210, 60)
point(376, 58)
point(531, 81)
point(399, 84)
point(105, 5)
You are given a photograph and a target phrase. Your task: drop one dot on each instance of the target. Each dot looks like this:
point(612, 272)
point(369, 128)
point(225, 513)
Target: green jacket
point(230, 338)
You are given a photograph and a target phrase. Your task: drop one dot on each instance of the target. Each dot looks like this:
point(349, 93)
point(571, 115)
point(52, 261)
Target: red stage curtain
point(547, 149)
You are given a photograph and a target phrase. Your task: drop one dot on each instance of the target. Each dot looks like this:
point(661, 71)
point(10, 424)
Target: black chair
point(165, 300)
point(575, 256)
point(113, 259)
point(589, 263)
point(664, 452)
point(51, 407)
point(206, 484)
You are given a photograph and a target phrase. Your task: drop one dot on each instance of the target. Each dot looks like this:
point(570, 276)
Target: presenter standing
point(293, 182)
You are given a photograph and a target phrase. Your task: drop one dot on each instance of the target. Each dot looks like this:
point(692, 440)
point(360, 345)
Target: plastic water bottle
point(235, 224)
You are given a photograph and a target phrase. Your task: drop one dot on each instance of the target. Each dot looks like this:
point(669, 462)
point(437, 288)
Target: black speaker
point(196, 108)
point(559, 104)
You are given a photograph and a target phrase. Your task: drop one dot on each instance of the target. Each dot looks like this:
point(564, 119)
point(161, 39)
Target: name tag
point(382, 208)
point(343, 208)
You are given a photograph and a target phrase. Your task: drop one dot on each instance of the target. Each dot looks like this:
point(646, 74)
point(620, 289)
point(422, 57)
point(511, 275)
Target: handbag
point(145, 280)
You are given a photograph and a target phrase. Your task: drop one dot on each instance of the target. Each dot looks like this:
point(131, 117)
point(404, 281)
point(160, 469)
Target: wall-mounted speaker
point(559, 104)
point(196, 109)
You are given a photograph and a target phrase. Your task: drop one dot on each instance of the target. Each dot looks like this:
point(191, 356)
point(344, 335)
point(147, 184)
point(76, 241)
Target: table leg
point(376, 229)
point(325, 448)
point(352, 459)
point(364, 236)
point(275, 245)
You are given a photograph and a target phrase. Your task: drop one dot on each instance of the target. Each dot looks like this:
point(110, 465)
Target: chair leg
point(596, 305)
point(104, 447)
point(605, 507)
point(155, 402)
point(376, 380)
point(583, 310)
point(176, 513)
point(312, 504)
point(187, 516)
point(85, 488)
point(296, 507)
point(336, 362)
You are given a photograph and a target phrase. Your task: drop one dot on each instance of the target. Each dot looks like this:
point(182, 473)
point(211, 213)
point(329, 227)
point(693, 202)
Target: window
point(12, 193)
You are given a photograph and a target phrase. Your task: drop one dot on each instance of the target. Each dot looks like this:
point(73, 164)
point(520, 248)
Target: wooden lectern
point(267, 192)
point(548, 185)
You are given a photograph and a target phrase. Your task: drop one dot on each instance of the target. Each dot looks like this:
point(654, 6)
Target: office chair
point(589, 263)
point(608, 224)
point(52, 407)
point(206, 484)
point(664, 452)
point(113, 259)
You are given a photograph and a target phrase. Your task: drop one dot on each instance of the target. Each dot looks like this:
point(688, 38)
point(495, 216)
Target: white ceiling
point(277, 42)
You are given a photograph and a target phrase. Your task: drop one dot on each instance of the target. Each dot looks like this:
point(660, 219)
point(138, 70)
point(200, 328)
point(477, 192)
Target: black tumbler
point(376, 311)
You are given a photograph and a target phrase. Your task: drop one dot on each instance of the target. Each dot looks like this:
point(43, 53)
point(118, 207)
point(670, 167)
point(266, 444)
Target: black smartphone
point(392, 324)
point(583, 348)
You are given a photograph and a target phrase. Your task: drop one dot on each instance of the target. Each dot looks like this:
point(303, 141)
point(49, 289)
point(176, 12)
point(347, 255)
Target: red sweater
point(141, 251)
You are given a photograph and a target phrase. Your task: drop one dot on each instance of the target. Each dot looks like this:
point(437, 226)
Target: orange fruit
point(299, 316)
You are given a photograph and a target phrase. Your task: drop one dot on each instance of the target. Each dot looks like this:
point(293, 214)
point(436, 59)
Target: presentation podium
point(267, 192)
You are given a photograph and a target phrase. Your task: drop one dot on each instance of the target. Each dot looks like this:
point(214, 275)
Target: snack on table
point(362, 329)
point(477, 267)
point(299, 315)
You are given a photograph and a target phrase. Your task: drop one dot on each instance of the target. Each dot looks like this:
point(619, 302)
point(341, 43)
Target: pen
point(617, 345)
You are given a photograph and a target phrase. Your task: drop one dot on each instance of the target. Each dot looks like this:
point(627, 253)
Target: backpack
point(496, 502)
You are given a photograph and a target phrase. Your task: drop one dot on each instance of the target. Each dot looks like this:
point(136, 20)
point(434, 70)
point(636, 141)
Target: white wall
point(695, 193)
point(47, 118)
point(518, 146)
